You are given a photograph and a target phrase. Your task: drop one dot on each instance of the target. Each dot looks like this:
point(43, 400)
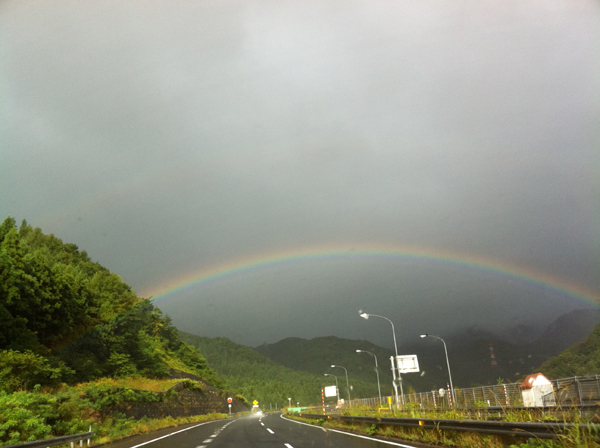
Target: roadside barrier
point(517, 429)
point(57, 441)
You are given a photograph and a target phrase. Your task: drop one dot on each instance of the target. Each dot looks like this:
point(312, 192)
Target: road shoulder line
point(347, 433)
point(173, 433)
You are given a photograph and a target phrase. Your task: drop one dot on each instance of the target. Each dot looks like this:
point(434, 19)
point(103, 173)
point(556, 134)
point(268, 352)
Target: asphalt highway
point(269, 431)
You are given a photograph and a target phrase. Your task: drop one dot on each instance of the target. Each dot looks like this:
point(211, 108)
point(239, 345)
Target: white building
point(534, 388)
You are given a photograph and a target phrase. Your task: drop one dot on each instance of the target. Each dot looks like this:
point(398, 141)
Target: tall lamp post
point(376, 371)
point(347, 383)
point(366, 316)
point(337, 389)
point(447, 363)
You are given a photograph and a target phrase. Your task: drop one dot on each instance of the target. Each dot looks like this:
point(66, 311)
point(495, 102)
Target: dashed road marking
point(270, 431)
point(288, 445)
point(207, 441)
point(262, 423)
point(173, 433)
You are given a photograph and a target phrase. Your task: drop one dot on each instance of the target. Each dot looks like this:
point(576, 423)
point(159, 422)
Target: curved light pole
point(376, 371)
point(347, 383)
point(366, 316)
point(447, 363)
point(337, 389)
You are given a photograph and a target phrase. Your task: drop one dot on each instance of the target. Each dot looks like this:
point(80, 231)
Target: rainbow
point(271, 260)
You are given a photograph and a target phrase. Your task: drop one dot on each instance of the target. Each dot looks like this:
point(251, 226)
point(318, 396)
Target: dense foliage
point(256, 377)
point(270, 383)
point(581, 359)
point(27, 416)
point(68, 319)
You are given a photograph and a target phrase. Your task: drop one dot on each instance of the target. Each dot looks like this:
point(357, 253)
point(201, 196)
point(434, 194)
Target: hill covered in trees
point(581, 359)
point(258, 378)
point(68, 319)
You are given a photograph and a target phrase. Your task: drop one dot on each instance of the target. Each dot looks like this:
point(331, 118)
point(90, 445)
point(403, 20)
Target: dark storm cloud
point(164, 138)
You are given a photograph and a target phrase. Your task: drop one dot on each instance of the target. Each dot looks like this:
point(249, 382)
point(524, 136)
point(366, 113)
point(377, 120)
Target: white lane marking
point(207, 441)
point(173, 433)
point(348, 434)
point(262, 423)
point(270, 431)
point(288, 445)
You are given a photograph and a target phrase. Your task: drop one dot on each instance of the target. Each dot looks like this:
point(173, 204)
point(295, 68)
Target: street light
point(447, 363)
point(366, 317)
point(337, 389)
point(376, 371)
point(347, 384)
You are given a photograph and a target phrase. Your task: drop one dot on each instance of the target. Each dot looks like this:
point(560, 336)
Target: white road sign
point(330, 391)
point(407, 363)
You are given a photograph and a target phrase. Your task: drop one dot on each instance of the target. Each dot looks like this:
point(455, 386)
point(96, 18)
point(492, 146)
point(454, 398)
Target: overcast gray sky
point(167, 138)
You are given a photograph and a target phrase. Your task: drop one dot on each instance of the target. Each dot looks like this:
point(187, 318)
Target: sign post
point(406, 364)
point(229, 400)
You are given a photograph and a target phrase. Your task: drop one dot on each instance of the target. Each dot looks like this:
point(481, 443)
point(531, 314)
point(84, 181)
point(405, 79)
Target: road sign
point(330, 391)
point(255, 402)
point(229, 400)
point(407, 363)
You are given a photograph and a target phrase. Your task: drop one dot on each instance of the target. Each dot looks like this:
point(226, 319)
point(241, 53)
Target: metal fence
point(578, 390)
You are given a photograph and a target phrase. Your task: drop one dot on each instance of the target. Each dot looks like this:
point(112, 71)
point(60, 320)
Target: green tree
point(21, 371)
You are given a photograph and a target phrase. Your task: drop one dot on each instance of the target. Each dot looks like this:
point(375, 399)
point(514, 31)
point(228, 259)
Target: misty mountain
point(259, 378)
point(318, 354)
point(567, 330)
point(469, 352)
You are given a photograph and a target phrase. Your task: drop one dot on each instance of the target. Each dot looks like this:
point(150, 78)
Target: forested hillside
point(259, 378)
point(68, 319)
point(317, 354)
point(579, 360)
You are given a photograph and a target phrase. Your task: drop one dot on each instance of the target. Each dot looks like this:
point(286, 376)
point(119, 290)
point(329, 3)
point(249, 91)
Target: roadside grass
point(42, 414)
point(133, 382)
point(575, 437)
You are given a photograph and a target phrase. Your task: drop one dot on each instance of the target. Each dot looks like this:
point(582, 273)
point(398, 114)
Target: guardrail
point(56, 441)
point(516, 429)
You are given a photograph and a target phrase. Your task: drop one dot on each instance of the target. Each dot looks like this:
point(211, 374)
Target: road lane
point(270, 431)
